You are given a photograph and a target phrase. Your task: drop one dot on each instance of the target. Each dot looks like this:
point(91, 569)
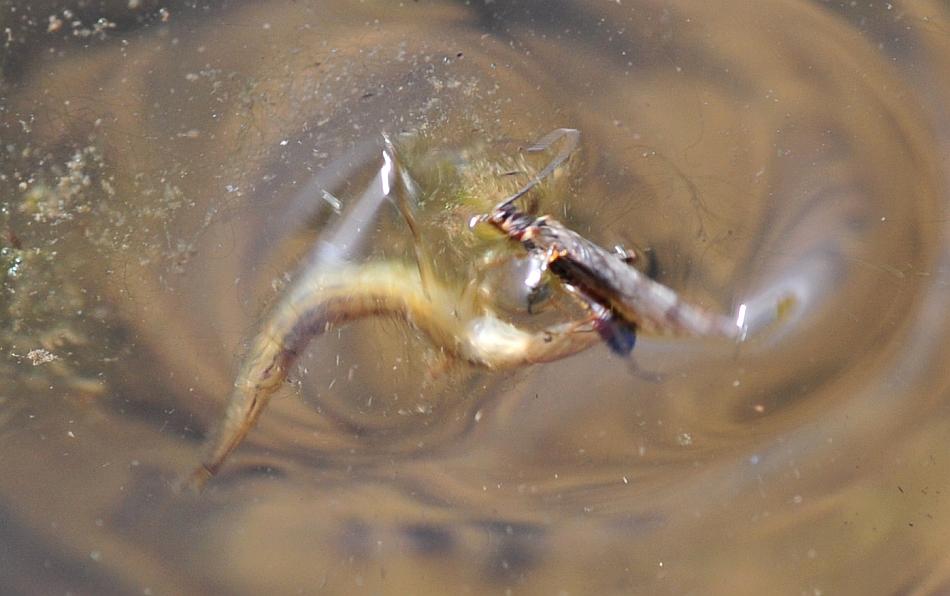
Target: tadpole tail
point(261, 376)
point(322, 300)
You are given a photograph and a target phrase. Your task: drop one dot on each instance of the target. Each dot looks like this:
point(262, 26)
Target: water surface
point(162, 179)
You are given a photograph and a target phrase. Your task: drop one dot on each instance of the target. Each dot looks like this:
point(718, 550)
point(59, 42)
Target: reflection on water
point(162, 176)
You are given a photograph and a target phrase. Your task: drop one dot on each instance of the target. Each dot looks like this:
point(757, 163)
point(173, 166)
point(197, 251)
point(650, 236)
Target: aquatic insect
point(622, 299)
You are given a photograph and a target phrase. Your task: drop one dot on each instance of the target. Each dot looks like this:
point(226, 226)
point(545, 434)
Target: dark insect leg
point(619, 335)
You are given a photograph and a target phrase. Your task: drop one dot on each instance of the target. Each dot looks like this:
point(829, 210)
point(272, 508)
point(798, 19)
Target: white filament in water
point(385, 173)
point(740, 320)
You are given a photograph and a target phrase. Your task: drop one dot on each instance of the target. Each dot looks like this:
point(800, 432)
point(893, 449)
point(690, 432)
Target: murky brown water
point(161, 177)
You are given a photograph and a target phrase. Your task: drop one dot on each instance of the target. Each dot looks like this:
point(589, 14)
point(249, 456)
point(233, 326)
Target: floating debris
point(332, 201)
point(41, 356)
